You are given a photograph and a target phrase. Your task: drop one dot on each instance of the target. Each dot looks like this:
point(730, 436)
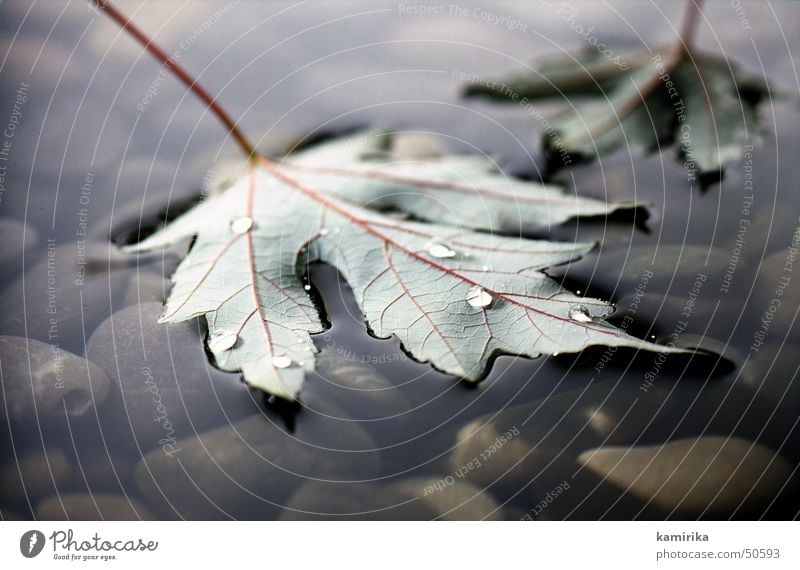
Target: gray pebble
point(17, 237)
point(355, 501)
point(776, 300)
point(92, 507)
point(164, 387)
point(146, 287)
point(667, 310)
point(773, 230)
point(247, 469)
point(551, 434)
point(358, 388)
point(488, 449)
point(701, 477)
point(104, 471)
point(674, 267)
point(66, 294)
point(43, 381)
point(33, 477)
point(774, 372)
point(451, 499)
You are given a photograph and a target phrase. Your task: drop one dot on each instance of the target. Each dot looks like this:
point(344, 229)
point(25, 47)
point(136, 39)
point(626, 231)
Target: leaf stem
point(683, 47)
point(181, 73)
point(691, 18)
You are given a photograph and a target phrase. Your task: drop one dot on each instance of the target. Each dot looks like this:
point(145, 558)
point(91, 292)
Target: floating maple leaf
point(454, 296)
point(702, 103)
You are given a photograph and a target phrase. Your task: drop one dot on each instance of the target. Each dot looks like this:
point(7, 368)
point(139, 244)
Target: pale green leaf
point(452, 294)
point(703, 104)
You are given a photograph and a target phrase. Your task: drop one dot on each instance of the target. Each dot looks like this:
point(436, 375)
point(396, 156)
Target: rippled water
point(103, 144)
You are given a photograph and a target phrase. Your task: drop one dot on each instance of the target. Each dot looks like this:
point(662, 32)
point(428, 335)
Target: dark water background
point(83, 153)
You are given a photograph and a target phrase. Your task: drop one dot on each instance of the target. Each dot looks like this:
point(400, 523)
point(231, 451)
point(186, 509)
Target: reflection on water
point(105, 145)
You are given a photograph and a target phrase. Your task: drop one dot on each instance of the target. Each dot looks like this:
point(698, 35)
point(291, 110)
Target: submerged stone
point(92, 507)
point(164, 387)
point(43, 381)
point(245, 470)
point(700, 477)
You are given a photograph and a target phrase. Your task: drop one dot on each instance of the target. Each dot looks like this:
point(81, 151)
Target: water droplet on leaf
point(281, 361)
point(580, 314)
point(307, 287)
point(439, 250)
point(324, 231)
point(242, 225)
point(222, 340)
point(478, 297)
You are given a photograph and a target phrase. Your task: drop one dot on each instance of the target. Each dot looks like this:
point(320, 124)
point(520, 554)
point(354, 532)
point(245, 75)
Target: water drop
point(439, 250)
point(580, 314)
point(485, 268)
point(307, 287)
point(242, 225)
point(324, 231)
point(281, 361)
point(222, 340)
point(478, 297)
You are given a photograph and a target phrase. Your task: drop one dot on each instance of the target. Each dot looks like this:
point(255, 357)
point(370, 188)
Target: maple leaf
point(702, 103)
point(453, 294)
